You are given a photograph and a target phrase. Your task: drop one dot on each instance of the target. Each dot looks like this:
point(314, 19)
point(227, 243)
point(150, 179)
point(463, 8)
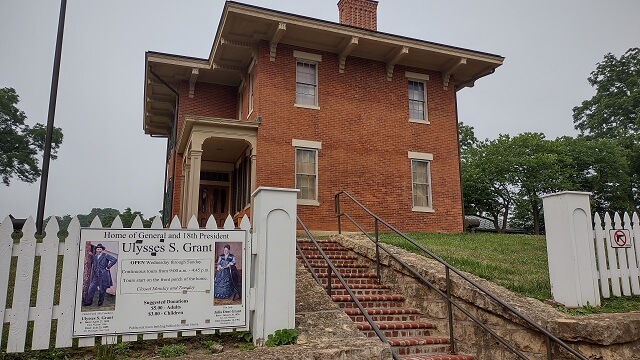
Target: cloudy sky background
point(107, 161)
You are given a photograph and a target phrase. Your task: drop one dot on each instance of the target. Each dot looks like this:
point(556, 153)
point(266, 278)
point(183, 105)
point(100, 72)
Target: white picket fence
point(49, 251)
point(618, 268)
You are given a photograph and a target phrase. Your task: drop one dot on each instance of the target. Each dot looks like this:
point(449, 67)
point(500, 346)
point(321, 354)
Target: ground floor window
point(421, 181)
point(307, 173)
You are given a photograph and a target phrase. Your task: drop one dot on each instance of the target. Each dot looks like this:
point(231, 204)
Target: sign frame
point(165, 280)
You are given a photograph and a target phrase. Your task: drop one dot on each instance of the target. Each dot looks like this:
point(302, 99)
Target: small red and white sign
point(620, 238)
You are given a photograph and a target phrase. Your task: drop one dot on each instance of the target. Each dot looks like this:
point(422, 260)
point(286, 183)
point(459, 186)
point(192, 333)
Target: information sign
point(156, 280)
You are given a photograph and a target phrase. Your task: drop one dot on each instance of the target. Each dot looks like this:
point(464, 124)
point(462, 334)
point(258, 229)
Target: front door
point(213, 200)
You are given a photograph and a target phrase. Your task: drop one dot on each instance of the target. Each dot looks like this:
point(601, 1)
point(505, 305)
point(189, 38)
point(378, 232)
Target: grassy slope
point(517, 262)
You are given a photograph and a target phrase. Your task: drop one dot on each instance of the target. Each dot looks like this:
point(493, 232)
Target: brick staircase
point(411, 337)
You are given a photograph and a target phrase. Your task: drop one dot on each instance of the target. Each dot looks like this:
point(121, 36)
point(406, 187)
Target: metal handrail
point(549, 337)
point(332, 269)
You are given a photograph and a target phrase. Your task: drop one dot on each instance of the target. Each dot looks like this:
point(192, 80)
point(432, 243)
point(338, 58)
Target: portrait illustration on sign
point(99, 279)
point(227, 282)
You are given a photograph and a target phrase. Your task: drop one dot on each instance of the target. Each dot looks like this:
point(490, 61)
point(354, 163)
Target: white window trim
point(313, 59)
point(411, 76)
point(304, 106)
point(421, 157)
point(306, 144)
point(416, 76)
point(316, 146)
point(301, 55)
point(251, 84)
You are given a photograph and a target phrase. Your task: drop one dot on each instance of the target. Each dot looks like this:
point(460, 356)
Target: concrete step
point(306, 241)
point(384, 314)
point(436, 357)
point(338, 252)
point(338, 264)
point(324, 246)
point(342, 270)
point(422, 345)
point(369, 301)
point(397, 328)
point(360, 291)
point(344, 256)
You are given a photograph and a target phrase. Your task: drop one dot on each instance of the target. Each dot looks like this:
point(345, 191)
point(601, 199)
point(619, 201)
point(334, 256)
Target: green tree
point(466, 136)
point(19, 143)
point(537, 170)
point(106, 216)
point(614, 111)
point(486, 187)
point(599, 166)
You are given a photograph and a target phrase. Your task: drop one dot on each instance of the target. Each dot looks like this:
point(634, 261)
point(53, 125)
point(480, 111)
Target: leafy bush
point(282, 337)
point(173, 350)
point(245, 336)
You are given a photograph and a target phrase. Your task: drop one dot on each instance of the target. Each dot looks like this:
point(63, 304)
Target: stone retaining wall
point(325, 331)
point(600, 336)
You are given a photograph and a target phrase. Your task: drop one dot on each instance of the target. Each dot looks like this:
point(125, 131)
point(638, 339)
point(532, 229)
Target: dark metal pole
point(452, 339)
point(338, 214)
point(46, 158)
point(329, 272)
point(377, 251)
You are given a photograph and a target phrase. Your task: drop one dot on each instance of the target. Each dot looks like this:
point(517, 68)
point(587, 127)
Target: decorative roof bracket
point(192, 82)
point(348, 45)
point(395, 58)
point(449, 69)
point(236, 43)
point(275, 39)
point(227, 67)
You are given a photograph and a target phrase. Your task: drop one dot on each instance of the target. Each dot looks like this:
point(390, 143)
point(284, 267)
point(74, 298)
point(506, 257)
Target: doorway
point(213, 200)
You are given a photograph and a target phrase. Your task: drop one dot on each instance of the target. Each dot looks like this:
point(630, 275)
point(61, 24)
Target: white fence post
point(274, 272)
point(570, 249)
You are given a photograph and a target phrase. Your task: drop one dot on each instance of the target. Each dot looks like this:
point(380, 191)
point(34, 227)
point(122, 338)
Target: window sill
point(423, 209)
point(419, 121)
point(308, 202)
point(313, 107)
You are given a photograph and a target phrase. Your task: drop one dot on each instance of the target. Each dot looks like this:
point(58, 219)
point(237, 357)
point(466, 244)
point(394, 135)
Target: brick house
point(290, 101)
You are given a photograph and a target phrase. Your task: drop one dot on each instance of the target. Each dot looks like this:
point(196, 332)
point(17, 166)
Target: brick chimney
point(359, 13)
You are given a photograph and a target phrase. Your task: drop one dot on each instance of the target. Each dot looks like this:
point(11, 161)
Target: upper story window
point(306, 170)
point(421, 181)
point(307, 79)
point(417, 90)
point(306, 84)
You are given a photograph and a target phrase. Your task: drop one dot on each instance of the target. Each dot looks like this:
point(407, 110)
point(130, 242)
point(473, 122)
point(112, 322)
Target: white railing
point(52, 253)
point(617, 266)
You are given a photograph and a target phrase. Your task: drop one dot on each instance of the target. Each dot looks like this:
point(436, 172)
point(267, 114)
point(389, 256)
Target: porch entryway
point(218, 158)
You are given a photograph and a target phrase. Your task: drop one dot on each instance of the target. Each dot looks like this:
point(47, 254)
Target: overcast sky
point(107, 161)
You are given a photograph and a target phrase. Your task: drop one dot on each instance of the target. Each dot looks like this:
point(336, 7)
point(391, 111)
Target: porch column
point(184, 181)
point(253, 171)
point(195, 160)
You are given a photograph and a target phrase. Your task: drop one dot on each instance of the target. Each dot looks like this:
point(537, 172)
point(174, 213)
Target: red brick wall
point(365, 133)
point(210, 100)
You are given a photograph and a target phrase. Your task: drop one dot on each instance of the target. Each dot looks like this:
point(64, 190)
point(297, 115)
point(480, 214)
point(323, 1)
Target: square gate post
point(273, 277)
point(571, 248)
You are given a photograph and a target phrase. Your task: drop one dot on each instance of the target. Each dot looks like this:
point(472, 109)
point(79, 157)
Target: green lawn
point(517, 262)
